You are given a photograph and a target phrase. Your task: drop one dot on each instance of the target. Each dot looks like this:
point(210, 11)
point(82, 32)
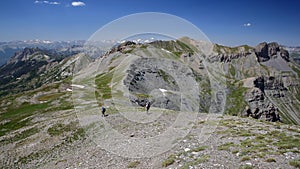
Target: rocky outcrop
point(269, 83)
point(259, 107)
point(266, 51)
point(262, 52)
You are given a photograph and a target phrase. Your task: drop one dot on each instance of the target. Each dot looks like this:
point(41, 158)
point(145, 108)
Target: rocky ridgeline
point(264, 52)
point(32, 68)
point(227, 54)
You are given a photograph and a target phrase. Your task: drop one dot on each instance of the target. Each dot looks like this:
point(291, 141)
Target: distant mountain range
point(294, 52)
point(9, 49)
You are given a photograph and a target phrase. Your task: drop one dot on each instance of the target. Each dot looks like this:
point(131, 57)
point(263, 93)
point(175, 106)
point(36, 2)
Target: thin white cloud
point(247, 24)
point(47, 2)
point(54, 3)
point(78, 3)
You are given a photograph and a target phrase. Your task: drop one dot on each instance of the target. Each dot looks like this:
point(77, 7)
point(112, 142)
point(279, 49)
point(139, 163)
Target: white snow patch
point(46, 57)
point(163, 91)
point(79, 86)
point(68, 89)
point(249, 163)
point(195, 153)
point(187, 149)
point(47, 41)
point(165, 50)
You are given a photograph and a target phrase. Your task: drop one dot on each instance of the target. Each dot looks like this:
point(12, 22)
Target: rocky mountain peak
point(29, 54)
point(265, 51)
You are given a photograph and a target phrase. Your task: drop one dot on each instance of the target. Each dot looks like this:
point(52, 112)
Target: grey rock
point(144, 80)
point(266, 51)
point(255, 95)
point(262, 53)
point(269, 83)
point(285, 54)
point(259, 105)
point(273, 48)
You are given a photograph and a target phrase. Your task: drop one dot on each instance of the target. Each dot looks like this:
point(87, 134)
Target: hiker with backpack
point(148, 104)
point(103, 111)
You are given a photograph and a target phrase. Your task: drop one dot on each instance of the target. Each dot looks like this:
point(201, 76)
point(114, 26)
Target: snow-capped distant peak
point(46, 41)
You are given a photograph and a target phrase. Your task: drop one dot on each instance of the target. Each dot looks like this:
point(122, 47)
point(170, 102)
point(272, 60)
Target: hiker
point(103, 111)
point(148, 104)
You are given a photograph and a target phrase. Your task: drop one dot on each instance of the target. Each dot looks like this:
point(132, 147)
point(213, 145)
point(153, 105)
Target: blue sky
point(225, 22)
